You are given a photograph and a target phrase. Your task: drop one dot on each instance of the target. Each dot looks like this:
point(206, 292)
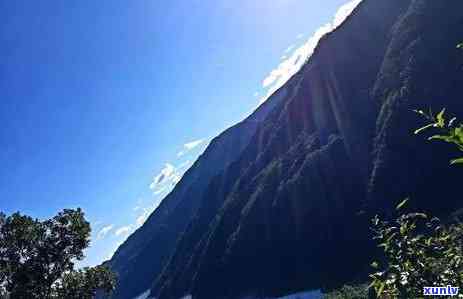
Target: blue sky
point(104, 104)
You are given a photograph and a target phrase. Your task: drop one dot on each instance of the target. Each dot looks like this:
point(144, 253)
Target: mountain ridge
point(137, 246)
point(336, 139)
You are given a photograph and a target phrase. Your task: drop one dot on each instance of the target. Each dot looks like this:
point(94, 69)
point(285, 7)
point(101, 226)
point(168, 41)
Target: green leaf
point(441, 119)
point(459, 133)
point(440, 137)
point(456, 161)
point(402, 203)
point(460, 46)
point(403, 229)
point(380, 290)
point(375, 265)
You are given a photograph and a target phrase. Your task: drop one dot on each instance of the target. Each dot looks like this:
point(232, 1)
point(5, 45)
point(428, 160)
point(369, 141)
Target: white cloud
point(167, 178)
point(142, 218)
point(290, 48)
point(187, 147)
point(160, 190)
point(256, 94)
point(191, 145)
point(163, 183)
point(300, 35)
point(344, 11)
point(184, 165)
point(104, 231)
point(167, 174)
point(97, 223)
point(291, 64)
point(271, 78)
point(123, 231)
point(113, 250)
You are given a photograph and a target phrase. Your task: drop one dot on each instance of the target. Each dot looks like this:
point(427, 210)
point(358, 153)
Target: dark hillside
point(272, 206)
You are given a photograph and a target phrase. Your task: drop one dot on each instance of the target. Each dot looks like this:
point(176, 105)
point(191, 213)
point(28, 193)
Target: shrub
point(349, 292)
point(420, 252)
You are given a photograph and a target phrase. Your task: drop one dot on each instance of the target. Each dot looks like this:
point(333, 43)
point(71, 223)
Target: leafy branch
point(419, 252)
point(448, 130)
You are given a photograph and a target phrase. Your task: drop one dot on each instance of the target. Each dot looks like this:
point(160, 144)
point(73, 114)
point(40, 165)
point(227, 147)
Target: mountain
point(141, 257)
point(273, 206)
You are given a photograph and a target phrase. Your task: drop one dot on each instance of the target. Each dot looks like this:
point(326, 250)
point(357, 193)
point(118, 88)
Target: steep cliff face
point(140, 259)
point(272, 206)
point(284, 216)
point(421, 69)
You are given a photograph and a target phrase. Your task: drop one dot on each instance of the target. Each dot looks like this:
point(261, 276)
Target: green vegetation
point(420, 251)
point(37, 258)
point(349, 292)
point(448, 131)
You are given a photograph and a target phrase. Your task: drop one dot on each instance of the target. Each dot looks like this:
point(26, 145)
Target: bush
point(349, 292)
point(420, 252)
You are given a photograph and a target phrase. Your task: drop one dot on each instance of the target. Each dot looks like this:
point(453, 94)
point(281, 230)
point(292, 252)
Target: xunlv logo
point(440, 291)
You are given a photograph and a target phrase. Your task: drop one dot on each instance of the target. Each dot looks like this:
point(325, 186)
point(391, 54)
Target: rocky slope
point(272, 206)
point(141, 257)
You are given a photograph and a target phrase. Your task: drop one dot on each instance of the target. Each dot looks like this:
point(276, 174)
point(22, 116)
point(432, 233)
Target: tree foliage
point(349, 292)
point(37, 257)
point(420, 252)
point(81, 284)
point(447, 130)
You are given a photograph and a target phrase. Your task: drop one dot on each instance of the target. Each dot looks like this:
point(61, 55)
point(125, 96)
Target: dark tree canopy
point(37, 257)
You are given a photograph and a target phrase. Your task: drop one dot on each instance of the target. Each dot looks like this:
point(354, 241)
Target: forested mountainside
point(140, 259)
point(273, 206)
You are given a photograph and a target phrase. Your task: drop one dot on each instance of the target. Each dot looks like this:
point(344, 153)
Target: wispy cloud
point(104, 231)
point(123, 231)
point(187, 147)
point(160, 190)
point(191, 145)
point(113, 250)
point(167, 178)
point(290, 48)
point(167, 175)
point(184, 165)
point(163, 182)
point(97, 223)
point(344, 11)
point(142, 218)
point(292, 63)
point(145, 213)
